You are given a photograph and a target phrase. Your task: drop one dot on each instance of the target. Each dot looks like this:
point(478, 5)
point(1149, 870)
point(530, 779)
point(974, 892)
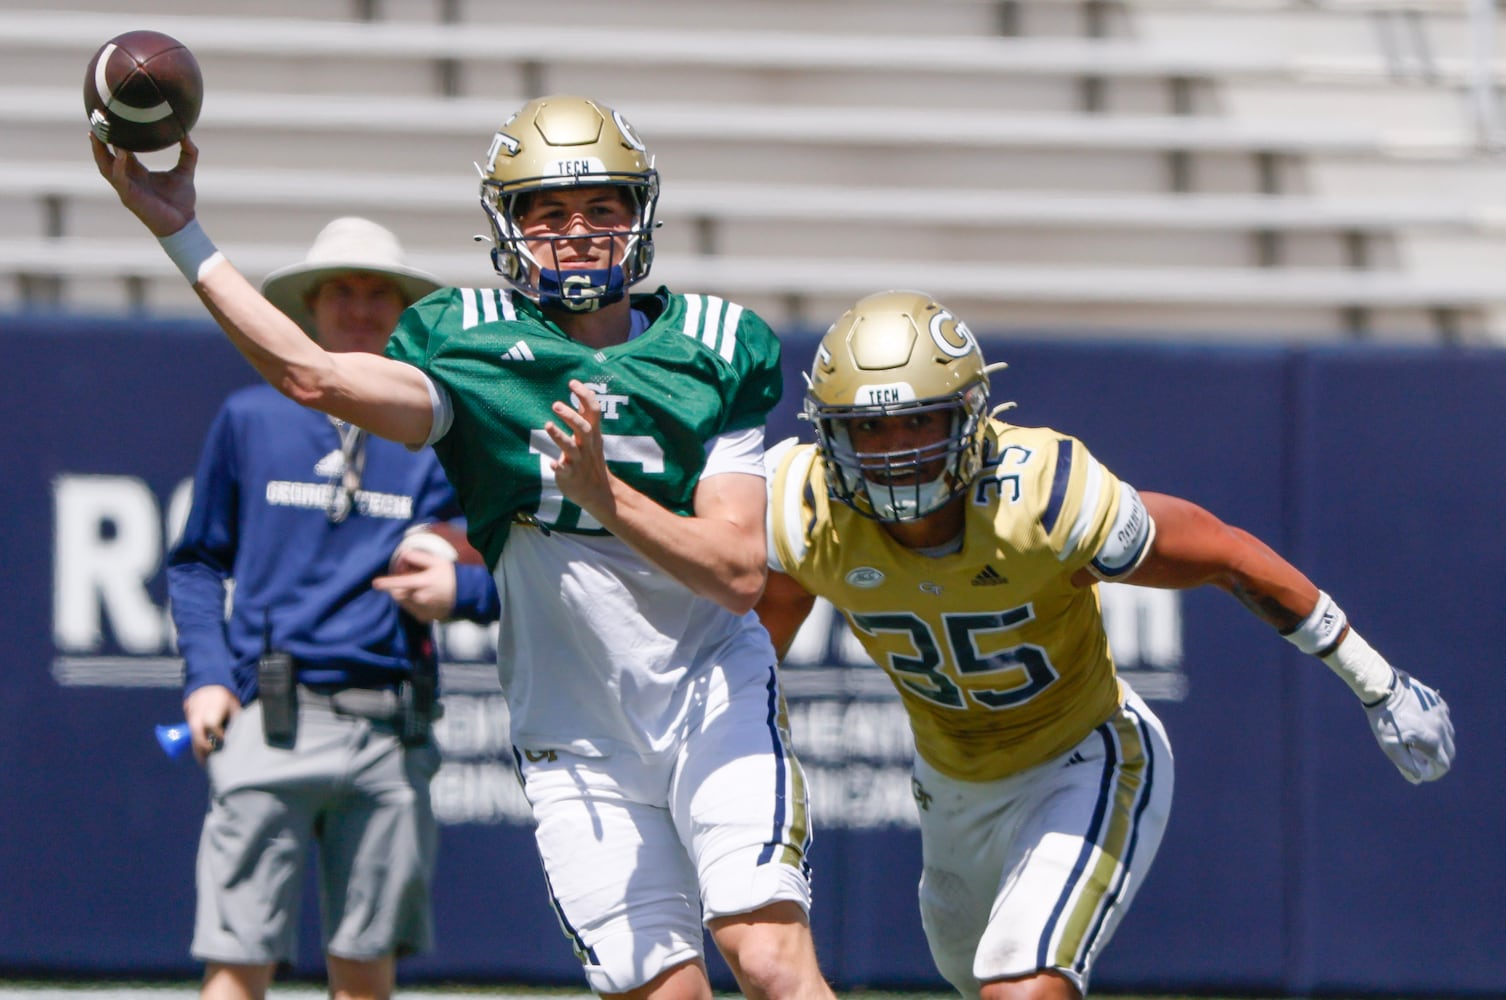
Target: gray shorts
point(349, 786)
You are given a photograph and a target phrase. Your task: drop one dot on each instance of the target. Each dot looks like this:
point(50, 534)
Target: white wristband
point(192, 250)
point(1365, 671)
point(1319, 630)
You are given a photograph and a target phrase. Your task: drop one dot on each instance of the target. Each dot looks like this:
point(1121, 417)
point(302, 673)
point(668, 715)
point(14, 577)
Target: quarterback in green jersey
point(965, 553)
point(607, 449)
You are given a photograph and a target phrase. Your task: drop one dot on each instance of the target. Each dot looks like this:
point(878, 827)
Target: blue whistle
point(175, 739)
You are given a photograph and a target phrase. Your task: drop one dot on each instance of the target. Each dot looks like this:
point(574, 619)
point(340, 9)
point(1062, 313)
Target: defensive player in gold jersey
point(964, 552)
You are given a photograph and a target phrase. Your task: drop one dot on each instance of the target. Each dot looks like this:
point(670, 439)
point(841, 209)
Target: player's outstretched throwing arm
point(1192, 547)
point(386, 397)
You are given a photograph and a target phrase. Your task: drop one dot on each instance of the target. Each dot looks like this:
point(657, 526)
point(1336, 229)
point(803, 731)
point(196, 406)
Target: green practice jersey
point(703, 367)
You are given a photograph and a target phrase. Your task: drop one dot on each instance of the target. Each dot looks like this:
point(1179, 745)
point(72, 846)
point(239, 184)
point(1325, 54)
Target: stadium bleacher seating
point(1075, 165)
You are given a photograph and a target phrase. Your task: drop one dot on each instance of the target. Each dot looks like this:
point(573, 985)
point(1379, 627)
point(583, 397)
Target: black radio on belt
point(418, 697)
point(277, 690)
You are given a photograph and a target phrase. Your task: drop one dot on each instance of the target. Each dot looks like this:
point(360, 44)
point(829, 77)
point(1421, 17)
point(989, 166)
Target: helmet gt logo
point(500, 141)
point(961, 341)
point(627, 132)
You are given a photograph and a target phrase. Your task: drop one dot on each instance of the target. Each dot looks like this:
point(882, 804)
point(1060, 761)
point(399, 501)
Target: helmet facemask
point(910, 483)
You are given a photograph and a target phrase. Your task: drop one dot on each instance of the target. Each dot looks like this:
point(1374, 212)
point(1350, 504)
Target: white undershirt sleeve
point(735, 451)
point(442, 410)
point(790, 501)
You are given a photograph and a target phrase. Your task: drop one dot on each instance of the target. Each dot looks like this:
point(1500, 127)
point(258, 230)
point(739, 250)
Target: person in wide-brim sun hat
point(349, 244)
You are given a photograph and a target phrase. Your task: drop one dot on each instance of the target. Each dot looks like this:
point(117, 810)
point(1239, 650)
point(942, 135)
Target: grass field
point(52, 990)
point(304, 991)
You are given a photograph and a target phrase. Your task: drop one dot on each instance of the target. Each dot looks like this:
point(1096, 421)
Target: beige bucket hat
point(346, 244)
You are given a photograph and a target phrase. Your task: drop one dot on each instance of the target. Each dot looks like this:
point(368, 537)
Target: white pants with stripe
point(1034, 871)
point(639, 850)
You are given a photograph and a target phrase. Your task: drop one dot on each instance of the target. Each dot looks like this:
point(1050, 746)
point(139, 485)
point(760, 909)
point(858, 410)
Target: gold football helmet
point(893, 354)
point(566, 141)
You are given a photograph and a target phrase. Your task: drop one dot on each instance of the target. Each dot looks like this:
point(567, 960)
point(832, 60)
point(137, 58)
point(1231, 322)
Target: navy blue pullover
point(264, 484)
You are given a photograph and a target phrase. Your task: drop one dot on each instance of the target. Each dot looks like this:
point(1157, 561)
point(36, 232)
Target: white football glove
point(1412, 725)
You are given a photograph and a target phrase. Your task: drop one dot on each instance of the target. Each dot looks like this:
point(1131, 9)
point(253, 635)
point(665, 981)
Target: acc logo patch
point(865, 577)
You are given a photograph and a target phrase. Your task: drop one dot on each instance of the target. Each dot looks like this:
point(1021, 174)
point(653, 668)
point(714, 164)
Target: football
point(143, 91)
point(442, 538)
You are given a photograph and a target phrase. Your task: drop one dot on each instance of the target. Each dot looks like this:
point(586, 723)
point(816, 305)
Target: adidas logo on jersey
point(519, 352)
point(989, 577)
point(330, 465)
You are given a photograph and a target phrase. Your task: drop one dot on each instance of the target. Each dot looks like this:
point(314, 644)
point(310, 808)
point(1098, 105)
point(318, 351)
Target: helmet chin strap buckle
point(907, 503)
point(582, 290)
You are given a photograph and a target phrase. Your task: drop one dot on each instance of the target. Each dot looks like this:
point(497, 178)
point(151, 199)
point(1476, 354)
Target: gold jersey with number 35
point(1002, 663)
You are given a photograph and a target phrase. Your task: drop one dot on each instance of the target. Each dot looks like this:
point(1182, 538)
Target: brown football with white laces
point(442, 538)
point(143, 91)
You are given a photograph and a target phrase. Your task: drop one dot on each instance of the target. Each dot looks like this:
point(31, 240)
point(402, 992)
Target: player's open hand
point(422, 583)
point(1413, 727)
point(162, 199)
point(581, 469)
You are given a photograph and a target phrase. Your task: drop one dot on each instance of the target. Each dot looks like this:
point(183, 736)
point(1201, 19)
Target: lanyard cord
point(353, 451)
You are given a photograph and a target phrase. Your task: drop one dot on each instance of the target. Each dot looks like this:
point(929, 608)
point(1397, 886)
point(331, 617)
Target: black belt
point(377, 704)
point(391, 704)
